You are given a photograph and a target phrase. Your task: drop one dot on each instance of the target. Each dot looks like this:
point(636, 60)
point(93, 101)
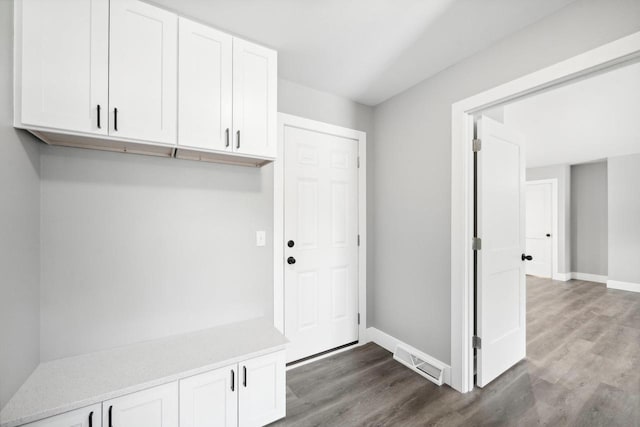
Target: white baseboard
point(390, 343)
point(623, 286)
point(562, 277)
point(589, 277)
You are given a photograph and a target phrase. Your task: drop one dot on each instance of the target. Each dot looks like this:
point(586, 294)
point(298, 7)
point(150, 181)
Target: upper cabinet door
point(204, 90)
point(62, 54)
point(262, 398)
point(143, 72)
point(255, 84)
point(154, 407)
point(210, 399)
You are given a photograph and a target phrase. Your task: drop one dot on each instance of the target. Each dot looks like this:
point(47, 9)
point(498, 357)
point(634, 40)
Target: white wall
point(563, 174)
point(410, 282)
point(589, 218)
point(19, 232)
point(624, 218)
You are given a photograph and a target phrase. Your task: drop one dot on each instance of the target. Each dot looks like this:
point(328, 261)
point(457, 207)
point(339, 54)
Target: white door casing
point(210, 399)
point(205, 86)
point(262, 390)
point(501, 281)
point(62, 70)
point(143, 62)
point(321, 219)
point(540, 230)
point(153, 407)
point(255, 88)
point(84, 417)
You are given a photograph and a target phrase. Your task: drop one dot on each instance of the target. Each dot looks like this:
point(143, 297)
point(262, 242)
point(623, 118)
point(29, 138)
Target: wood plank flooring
point(582, 369)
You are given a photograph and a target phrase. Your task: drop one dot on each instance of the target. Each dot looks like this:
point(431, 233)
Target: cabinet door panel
point(262, 397)
point(154, 407)
point(205, 83)
point(90, 416)
point(62, 52)
point(254, 99)
point(143, 71)
point(210, 399)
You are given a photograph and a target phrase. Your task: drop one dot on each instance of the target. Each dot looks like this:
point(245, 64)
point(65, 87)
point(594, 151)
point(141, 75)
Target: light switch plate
point(261, 238)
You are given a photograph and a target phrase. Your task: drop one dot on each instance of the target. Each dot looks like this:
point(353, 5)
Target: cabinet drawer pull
point(91, 419)
point(99, 127)
point(115, 125)
point(227, 132)
point(244, 371)
point(238, 140)
point(233, 380)
point(110, 416)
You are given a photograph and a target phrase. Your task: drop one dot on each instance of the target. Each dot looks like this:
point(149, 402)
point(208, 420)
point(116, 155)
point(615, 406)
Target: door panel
point(64, 73)
point(154, 407)
point(143, 71)
point(205, 107)
point(262, 396)
point(539, 227)
point(321, 217)
point(210, 399)
point(501, 291)
point(254, 99)
point(85, 417)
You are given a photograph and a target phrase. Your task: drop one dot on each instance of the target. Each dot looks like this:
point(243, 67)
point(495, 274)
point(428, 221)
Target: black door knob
point(548, 235)
point(527, 257)
point(290, 243)
point(291, 260)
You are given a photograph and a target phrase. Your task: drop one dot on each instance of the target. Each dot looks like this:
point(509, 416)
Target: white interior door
point(539, 229)
point(143, 71)
point(501, 285)
point(210, 399)
point(321, 237)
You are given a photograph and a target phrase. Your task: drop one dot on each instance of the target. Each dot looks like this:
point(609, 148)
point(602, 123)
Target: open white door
point(501, 285)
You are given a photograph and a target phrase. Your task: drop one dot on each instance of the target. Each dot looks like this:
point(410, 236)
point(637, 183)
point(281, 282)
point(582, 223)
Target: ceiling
point(367, 50)
point(585, 121)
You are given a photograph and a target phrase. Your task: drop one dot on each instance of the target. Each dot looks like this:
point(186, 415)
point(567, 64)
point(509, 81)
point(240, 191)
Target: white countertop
point(66, 384)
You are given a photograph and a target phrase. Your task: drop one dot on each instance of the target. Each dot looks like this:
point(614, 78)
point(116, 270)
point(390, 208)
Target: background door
point(321, 237)
point(501, 285)
point(539, 229)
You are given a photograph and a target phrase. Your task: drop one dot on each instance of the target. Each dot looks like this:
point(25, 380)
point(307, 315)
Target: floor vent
point(417, 362)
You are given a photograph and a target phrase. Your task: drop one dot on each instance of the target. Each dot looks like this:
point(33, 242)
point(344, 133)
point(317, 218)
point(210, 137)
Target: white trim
point(589, 277)
point(555, 241)
point(390, 343)
point(562, 277)
point(606, 56)
point(285, 120)
point(623, 286)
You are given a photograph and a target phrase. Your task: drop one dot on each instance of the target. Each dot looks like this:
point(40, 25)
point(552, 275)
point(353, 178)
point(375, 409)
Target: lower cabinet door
point(210, 399)
point(154, 407)
point(262, 397)
point(91, 416)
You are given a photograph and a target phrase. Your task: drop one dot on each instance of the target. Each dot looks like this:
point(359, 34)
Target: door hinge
point(358, 162)
point(476, 342)
point(358, 318)
point(476, 244)
point(477, 145)
point(358, 240)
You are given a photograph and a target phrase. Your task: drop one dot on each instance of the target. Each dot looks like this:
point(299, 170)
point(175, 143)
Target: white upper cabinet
point(62, 54)
point(262, 398)
point(204, 90)
point(255, 85)
point(143, 66)
point(210, 399)
point(154, 407)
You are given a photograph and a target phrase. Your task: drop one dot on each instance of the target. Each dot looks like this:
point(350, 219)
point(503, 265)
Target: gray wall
point(589, 218)
point(624, 218)
point(563, 174)
point(410, 283)
point(19, 232)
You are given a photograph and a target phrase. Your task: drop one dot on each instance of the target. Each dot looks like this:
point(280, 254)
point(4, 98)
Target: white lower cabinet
point(154, 407)
point(249, 394)
point(91, 416)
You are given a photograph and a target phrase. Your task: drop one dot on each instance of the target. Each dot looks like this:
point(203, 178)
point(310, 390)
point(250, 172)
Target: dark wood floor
point(582, 369)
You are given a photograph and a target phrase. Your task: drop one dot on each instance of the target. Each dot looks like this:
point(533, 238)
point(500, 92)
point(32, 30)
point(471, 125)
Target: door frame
point(612, 54)
point(555, 249)
point(288, 120)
